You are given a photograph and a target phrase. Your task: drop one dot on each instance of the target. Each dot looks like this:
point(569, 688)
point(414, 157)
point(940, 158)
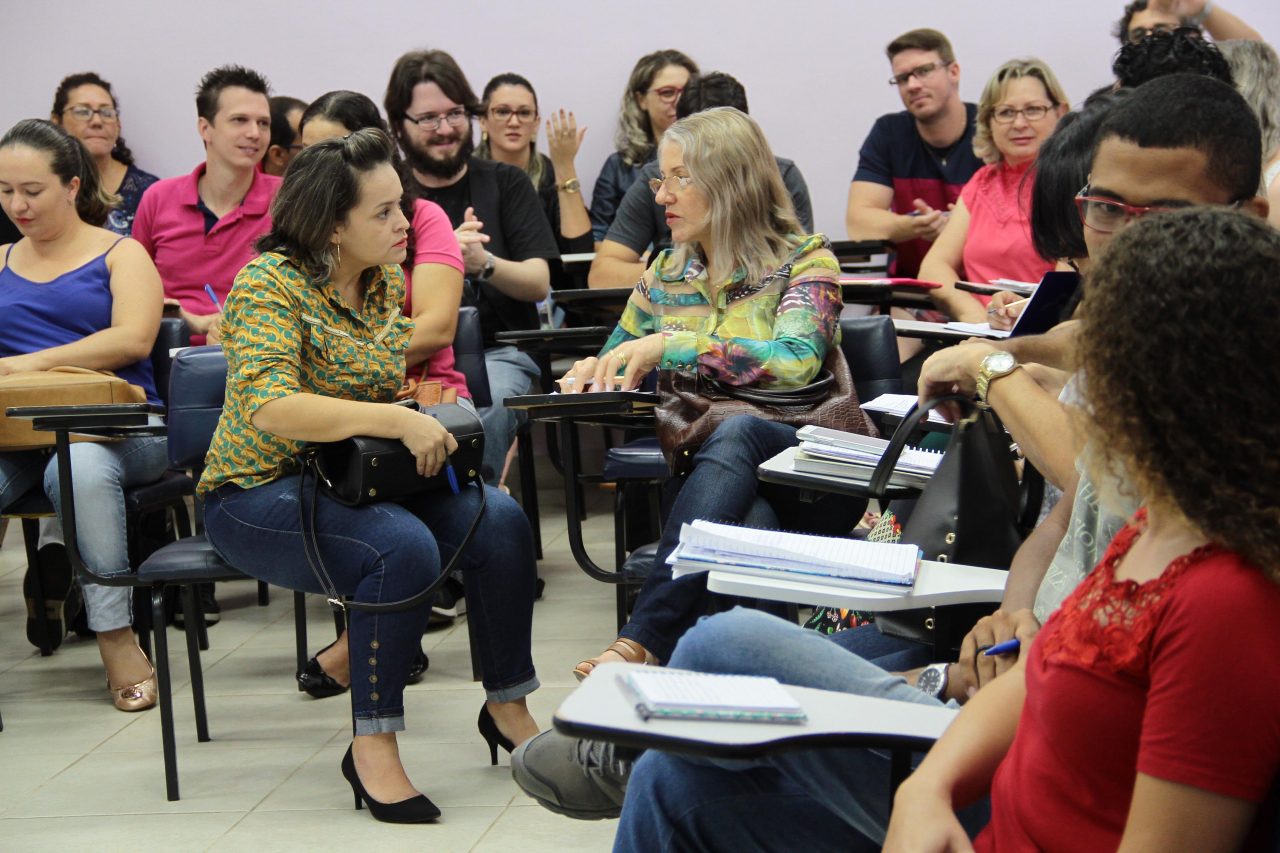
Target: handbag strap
point(806, 395)
point(884, 468)
point(311, 548)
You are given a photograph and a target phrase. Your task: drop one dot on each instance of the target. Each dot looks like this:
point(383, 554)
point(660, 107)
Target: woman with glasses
point(86, 108)
point(509, 134)
point(743, 297)
point(648, 109)
point(988, 236)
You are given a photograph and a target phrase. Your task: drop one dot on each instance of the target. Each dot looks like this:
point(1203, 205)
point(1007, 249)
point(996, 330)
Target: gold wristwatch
point(570, 186)
point(994, 365)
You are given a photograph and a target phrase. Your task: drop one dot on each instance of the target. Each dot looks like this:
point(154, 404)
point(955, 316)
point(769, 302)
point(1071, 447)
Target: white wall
point(815, 72)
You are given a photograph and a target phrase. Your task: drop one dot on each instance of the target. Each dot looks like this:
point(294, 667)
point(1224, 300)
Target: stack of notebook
point(854, 457)
point(885, 567)
point(680, 695)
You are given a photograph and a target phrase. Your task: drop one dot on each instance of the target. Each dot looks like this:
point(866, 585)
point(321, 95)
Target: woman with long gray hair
point(1256, 71)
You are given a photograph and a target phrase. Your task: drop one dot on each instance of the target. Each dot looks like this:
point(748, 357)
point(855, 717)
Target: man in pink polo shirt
point(200, 228)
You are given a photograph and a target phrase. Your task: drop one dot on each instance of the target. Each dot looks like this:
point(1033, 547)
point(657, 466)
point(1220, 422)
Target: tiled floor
point(75, 774)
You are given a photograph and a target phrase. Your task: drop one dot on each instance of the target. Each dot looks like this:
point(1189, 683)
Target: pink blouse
point(999, 241)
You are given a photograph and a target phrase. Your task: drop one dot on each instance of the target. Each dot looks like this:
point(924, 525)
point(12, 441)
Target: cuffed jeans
point(511, 373)
point(387, 552)
point(812, 800)
point(723, 487)
point(100, 474)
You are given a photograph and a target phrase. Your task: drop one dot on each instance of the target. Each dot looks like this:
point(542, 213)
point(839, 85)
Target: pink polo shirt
point(170, 225)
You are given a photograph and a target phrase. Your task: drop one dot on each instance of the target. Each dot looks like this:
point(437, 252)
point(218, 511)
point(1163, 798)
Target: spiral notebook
point(672, 694)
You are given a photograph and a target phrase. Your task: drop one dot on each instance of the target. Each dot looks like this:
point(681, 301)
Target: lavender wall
point(815, 72)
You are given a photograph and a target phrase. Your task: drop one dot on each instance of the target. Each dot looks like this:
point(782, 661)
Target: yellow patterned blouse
point(286, 333)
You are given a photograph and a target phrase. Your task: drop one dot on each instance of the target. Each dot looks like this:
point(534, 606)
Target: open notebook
point(875, 566)
point(702, 696)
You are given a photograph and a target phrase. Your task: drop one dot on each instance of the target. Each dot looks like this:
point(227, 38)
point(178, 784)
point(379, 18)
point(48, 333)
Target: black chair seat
point(639, 563)
point(34, 502)
point(172, 486)
point(190, 560)
point(640, 459)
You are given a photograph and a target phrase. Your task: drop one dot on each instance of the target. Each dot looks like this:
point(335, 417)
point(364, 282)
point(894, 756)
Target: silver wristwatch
point(933, 680)
point(489, 263)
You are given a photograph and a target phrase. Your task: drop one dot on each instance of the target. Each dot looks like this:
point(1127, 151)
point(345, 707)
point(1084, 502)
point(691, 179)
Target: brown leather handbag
point(691, 406)
point(58, 386)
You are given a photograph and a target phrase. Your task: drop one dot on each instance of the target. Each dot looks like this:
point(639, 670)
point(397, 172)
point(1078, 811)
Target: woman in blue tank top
point(73, 293)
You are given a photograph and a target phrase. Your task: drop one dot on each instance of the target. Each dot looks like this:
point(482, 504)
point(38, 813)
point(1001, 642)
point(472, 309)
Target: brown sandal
point(629, 650)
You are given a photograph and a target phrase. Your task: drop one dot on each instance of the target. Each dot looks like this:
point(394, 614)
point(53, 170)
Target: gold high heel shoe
point(135, 697)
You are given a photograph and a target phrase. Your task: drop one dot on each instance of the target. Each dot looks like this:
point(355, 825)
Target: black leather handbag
point(363, 469)
point(969, 513)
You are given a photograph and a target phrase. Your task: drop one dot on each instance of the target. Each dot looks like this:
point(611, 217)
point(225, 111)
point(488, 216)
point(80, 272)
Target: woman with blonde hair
point(648, 109)
point(742, 297)
point(1256, 71)
point(989, 233)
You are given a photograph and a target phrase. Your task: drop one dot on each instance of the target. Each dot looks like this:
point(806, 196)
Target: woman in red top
point(1144, 717)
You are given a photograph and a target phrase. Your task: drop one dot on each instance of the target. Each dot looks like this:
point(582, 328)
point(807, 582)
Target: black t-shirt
point(505, 201)
point(455, 199)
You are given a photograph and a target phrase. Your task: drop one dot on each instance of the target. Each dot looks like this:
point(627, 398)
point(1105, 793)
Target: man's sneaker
point(205, 601)
point(575, 777)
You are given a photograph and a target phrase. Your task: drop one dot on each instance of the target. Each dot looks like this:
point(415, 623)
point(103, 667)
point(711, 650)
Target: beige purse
point(60, 386)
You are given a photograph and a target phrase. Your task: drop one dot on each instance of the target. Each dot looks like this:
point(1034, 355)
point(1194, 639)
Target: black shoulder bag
point(969, 513)
point(364, 469)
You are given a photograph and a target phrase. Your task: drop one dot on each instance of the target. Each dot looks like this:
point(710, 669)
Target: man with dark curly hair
point(1184, 50)
point(1143, 17)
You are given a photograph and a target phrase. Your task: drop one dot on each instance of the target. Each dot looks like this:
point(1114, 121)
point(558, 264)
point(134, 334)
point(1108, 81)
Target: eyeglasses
point(456, 117)
point(682, 183)
point(919, 72)
point(524, 115)
point(1106, 215)
point(1006, 115)
point(86, 113)
point(668, 94)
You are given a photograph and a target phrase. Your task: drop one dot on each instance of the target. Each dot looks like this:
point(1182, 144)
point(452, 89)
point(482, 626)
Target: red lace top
point(1176, 678)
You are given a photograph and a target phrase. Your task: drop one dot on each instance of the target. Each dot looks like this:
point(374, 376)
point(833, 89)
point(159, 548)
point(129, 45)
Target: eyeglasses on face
point(1137, 34)
point(524, 115)
point(682, 183)
point(919, 72)
point(1007, 115)
point(84, 113)
point(456, 117)
point(667, 94)
point(1106, 215)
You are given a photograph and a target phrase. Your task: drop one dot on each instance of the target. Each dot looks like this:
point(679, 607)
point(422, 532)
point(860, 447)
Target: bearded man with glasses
point(504, 236)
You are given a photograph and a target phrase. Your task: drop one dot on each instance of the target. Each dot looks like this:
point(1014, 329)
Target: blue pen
point(452, 477)
point(1004, 648)
point(213, 297)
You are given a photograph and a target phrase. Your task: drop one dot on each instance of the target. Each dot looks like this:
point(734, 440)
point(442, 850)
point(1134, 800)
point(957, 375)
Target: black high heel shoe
point(417, 809)
point(493, 737)
point(316, 682)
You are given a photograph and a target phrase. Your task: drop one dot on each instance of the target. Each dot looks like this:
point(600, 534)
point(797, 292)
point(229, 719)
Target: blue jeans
point(511, 373)
point(388, 552)
point(822, 799)
point(723, 487)
point(101, 472)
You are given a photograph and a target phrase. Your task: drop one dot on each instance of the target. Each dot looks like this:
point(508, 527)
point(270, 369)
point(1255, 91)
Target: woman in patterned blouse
point(743, 297)
point(315, 342)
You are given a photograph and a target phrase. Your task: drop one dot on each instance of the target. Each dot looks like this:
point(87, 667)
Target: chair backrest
point(468, 356)
point(197, 387)
point(173, 334)
point(870, 345)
